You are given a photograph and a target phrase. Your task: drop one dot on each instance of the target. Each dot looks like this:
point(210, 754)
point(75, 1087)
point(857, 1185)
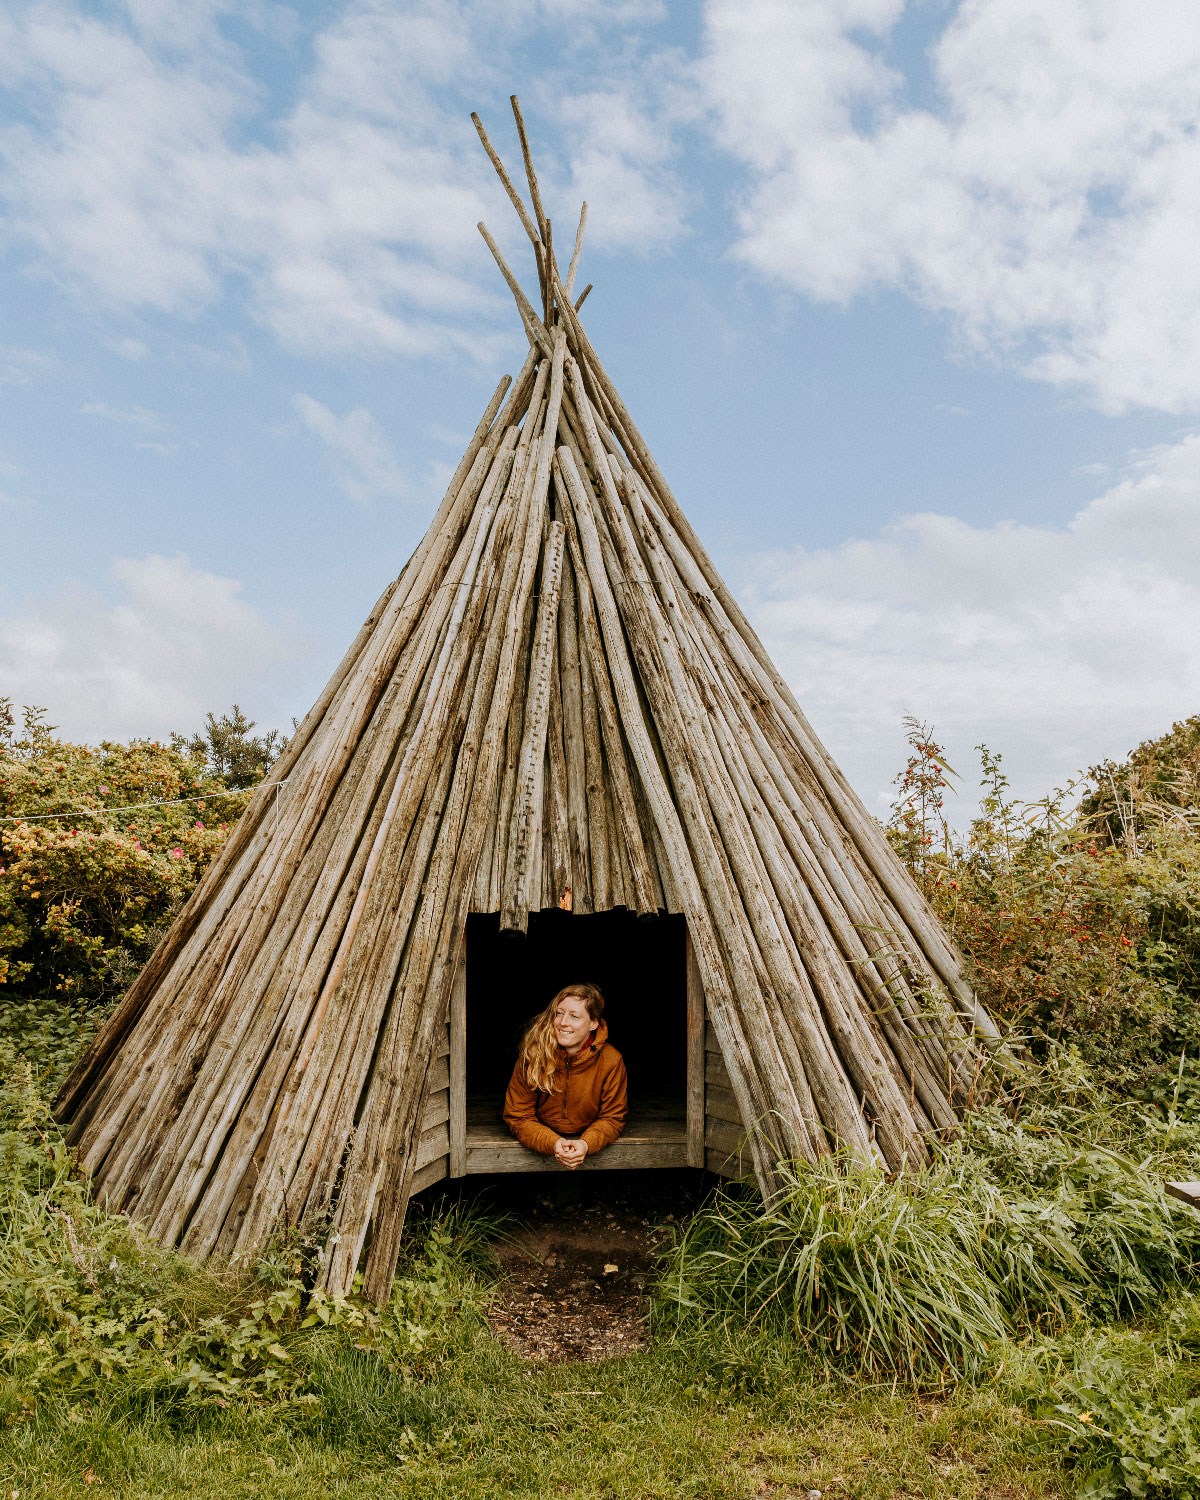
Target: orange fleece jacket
point(588, 1100)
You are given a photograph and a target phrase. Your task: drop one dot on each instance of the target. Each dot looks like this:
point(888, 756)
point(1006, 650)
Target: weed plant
point(90, 1307)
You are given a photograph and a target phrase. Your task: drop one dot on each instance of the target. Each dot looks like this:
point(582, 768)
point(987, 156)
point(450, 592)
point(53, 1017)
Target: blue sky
point(903, 296)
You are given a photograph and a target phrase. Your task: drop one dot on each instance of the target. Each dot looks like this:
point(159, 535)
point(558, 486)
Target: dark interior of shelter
point(640, 965)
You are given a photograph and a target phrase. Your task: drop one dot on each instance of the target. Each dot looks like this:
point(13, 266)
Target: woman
point(567, 1095)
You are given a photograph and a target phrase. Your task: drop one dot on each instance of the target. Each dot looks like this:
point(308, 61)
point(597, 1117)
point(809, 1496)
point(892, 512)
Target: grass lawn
point(657, 1423)
point(127, 1370)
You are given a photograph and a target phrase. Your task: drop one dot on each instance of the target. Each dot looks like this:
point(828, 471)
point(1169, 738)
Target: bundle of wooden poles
point(557, 703)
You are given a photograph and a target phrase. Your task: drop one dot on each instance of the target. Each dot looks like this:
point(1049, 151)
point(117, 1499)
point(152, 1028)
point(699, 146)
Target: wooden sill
point(648, 1142)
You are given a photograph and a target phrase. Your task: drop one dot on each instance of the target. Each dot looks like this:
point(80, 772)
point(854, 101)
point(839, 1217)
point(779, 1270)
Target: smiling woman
point(567, 1097)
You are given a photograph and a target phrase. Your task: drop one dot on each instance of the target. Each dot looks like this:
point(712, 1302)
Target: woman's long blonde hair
point(539, 1049)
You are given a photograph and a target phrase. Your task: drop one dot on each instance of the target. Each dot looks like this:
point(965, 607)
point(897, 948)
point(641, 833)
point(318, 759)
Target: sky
point(904, 296)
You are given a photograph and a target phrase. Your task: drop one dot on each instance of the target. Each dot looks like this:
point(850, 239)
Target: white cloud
point(168, 643)
point(1055, 645)
point(147, 166)
point(141, 177)
point(125, 416)
point(622, 162)
point(363, 464)
point(20, 366)
point(1049, 204)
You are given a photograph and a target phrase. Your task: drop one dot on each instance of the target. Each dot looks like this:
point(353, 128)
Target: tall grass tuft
point(928, 1276)
point(864, 1271)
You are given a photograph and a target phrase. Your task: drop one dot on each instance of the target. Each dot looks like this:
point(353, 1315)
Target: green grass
point(1016, 1322)
point(665, 1423)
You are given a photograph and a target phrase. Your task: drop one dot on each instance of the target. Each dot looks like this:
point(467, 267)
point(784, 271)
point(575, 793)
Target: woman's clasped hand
point(570, 1153)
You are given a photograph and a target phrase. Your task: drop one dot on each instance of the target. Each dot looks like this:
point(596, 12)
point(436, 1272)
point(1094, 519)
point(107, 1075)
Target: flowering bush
point(86, 893)
point(1073, 930)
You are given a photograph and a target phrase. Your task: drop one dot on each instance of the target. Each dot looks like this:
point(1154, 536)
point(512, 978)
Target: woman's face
point(572, 1024)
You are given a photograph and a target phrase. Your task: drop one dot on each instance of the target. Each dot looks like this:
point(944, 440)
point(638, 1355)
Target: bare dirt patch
point(575, 1276)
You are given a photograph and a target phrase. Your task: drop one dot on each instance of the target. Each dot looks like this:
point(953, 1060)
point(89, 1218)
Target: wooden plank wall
point(724, 1130)
point(433, 1148)
point(458, 1068)
point(697, 1022)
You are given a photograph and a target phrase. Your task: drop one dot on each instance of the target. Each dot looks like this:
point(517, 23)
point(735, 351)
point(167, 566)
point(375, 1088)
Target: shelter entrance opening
point(640, 965)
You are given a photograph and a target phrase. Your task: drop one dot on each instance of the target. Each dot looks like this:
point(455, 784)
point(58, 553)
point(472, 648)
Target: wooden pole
point(569, 284)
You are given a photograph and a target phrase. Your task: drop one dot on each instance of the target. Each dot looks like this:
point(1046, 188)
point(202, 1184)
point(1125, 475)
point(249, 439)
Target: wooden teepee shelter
point(557, 704)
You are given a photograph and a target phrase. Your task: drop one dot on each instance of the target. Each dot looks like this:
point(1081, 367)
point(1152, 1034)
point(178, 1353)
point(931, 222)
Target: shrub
point(230, 751)
point(1068, 935)
point(1157, 786)
point(90, 876)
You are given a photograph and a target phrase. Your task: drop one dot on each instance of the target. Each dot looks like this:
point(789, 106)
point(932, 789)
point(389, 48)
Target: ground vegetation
point(1016, 1320)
